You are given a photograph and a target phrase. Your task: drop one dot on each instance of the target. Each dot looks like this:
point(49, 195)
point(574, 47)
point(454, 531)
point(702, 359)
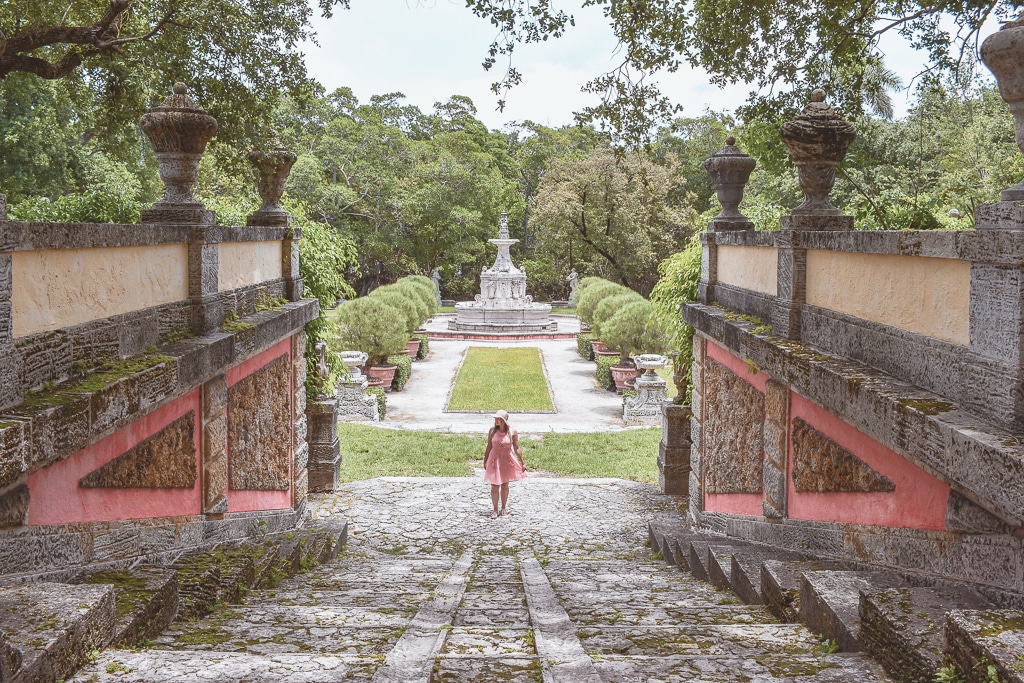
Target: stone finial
point(730, 170)
point(503, 227)
point(817, 140)
point(273, 165)
point(1003, 52)
point(178, 129)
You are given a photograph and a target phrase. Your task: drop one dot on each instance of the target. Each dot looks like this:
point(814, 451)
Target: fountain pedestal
point(502, 306)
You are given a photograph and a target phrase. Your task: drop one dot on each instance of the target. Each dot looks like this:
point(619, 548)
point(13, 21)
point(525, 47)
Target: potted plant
point(632, 330)
point(370, 325)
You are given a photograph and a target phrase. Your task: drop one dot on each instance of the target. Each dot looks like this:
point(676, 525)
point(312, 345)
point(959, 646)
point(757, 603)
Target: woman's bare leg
point(494, 495)
point(504, 495)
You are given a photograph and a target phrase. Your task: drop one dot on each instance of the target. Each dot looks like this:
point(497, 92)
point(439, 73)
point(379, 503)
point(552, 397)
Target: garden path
point(581, 405)
point(430, 589)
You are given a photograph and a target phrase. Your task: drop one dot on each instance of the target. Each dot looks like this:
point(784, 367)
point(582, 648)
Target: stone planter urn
point(384, 374)
point(624, 376)
point(412, 347)
point(646, 407)
point(353, 360)
point(273, 166)
point(817, 140)
point(178, 130)
point(649, 362)
point(1003, 53)
point(730, 170)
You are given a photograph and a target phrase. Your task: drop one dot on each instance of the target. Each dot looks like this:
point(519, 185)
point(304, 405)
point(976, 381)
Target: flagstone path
point(430, 588)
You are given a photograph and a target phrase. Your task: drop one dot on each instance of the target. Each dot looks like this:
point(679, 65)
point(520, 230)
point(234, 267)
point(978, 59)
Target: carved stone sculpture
point(354, 404)
point(178, 130)
point(817, 140)
point(1003, 52)
point(730, 170)
point(273, 166)
point(646, 408)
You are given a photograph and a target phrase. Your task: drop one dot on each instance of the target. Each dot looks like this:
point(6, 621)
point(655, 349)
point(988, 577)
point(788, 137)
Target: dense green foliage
point(583, 346)
point(680, 279)
point(403, 370)
point(633, 329)
point(369, 325)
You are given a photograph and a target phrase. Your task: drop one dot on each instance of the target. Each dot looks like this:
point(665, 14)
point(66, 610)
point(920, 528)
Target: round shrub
point(369, 325)
point(593, 295)
point(634, 330)
point(424, 346)
point(409, 309)
point(423, 299)
point(609, 306)
point(582, 286)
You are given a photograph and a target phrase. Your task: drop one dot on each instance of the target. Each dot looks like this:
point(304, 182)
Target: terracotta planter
point(384, 373)
point(412, 347)
point(624, 376)
point(607, 352)
point(597, 345)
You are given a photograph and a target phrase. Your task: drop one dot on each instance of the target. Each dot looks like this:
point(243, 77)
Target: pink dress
point(502, 466)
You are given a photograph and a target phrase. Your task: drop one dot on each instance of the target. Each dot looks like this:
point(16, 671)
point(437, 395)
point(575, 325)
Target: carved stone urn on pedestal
point(178, 130)
point(1003, 53)
point(817, 140)
point(730, 170)
point(273, 165)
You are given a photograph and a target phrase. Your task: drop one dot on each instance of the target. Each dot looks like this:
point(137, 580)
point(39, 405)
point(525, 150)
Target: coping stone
point(977, 639)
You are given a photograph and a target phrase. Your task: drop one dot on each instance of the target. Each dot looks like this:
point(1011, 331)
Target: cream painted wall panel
point(248, 263)
point(753, 268)
point(63, 287)
point(929, 296)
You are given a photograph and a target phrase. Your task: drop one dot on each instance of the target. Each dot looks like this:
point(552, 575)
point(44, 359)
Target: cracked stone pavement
point(430, 588)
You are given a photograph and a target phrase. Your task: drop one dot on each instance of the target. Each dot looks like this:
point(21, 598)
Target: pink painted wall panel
point(56, 498)
point(738, 366)
point(919, 501)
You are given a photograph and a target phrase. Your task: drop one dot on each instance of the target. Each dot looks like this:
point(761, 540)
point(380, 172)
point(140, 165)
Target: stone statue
point(436, 277)
point(574, 281)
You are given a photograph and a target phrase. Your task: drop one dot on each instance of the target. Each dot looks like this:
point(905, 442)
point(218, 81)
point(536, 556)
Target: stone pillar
point(817, 140)
point(10, 360)
point(696, 485)
point(203, 282)
point(791, 292)
point(324, 447)
point(300, 446)
point(776, 448)
point(674, 450)
point(708, 268)
point(215, 446)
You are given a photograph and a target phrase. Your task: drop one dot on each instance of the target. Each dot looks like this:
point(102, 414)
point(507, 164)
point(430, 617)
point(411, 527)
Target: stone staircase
point(919, 633)
point(50, 630)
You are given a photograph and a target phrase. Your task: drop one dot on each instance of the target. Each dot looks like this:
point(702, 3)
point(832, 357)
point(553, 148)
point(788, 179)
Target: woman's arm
point(516, 449)
point(487, 451)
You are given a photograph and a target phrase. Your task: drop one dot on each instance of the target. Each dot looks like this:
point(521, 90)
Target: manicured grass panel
point(369, 452)
point(508, 379)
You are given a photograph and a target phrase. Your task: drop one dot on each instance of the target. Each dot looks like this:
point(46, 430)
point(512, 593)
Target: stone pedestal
point(354, 404)
point(674, 450)
point(645, 408)
point(324, 465)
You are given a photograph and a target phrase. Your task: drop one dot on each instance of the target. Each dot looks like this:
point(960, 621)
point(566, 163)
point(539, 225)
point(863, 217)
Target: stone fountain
point(502, 306)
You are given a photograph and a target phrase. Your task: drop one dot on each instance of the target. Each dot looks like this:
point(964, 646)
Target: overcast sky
point(432, 49)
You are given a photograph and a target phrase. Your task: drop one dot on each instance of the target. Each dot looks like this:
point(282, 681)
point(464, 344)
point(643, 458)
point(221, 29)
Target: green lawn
point(369, 452)
point(508, 379)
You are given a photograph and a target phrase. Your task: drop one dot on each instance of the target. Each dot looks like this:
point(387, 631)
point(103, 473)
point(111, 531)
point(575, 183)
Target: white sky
point(432, 49)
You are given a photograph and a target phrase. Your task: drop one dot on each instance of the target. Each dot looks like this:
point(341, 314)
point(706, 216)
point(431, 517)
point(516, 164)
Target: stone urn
point(624, 376)
point(649, 363)
point(730, 170)
point(354, 360)
point(817, 140)
point(178, 130)
point(1003, 53)
point(273, 166)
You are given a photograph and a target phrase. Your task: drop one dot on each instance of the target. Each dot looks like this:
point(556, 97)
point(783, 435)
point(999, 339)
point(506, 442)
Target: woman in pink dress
point(503, 461)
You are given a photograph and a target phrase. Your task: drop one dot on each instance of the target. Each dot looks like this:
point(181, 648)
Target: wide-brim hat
point(503, 414)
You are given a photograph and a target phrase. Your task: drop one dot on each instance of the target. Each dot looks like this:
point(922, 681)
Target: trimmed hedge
point(583, 346)
point(403, 364)
point(604, 371)
point(382, 400)
point(424, 346)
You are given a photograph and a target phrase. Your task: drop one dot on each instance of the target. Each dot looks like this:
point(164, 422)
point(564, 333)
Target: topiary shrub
point(604, 371)
point(424, 346)
point(424, 298)
point(368, 324)
point(633, 329)
point(403, 363)
point(410, 307)
point(593, 295)
point(609, 306)
point(582, 285)
point(382, 400)
point(583, 346)
point(426, 286)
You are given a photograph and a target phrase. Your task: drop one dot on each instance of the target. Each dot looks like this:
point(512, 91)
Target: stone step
point(719, 564)
point(986, 645)
point(745, 572)
point(780, 585)
point(53, 627)
point(673, 542)
point(146, 601)
point(902, 627)
point(830, 602)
